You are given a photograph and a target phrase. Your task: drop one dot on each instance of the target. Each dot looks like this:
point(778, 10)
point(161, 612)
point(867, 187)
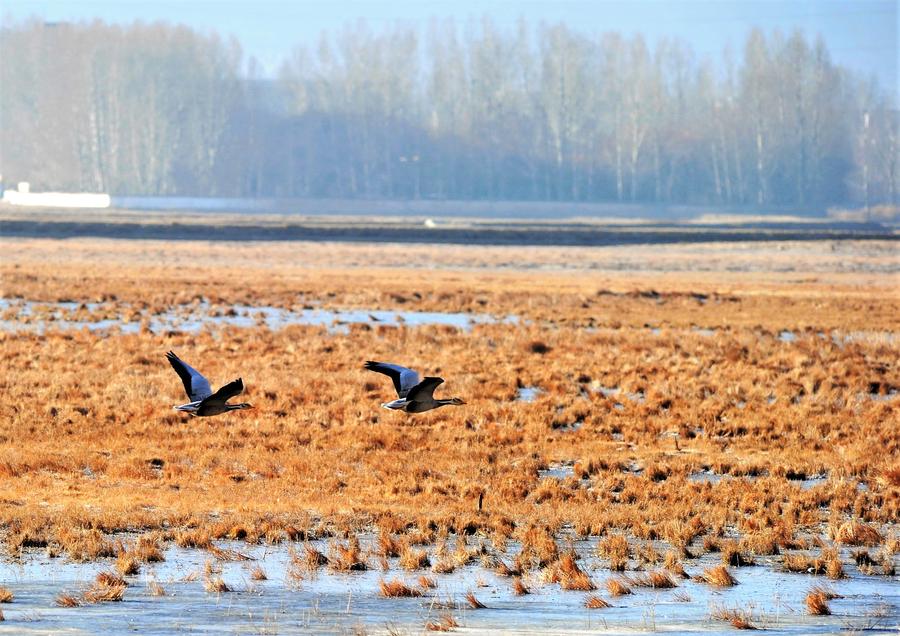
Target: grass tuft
point(398, 589)
point(717, 575)
point(595, 602)
point(474, 603)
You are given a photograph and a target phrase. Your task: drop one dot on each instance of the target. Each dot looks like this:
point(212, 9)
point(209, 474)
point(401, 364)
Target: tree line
point(443, 112)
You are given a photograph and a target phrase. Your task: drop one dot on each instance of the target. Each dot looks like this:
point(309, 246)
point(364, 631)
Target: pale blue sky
point(861, 34)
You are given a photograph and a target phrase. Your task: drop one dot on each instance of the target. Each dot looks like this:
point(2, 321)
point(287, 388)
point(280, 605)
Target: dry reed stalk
point(519, 588)
point(443, 566)
point(617, 587)
point(445, 624)
point(147, 549)
point(717, 575)
point(110, 579)
point(474, 603)
point(397, 589)
point(193, 539)
point(595, 602)
point(228, 555)
point(258, 574)
point(102, 593)
point(817, 604)
point(731, 555)
point(346, 558)
point(413, 559)
point(739, 619)
point(658, 579)
point(127, 564)
point(857, 533)
point(311, 559)
point(6, 595)
point(426, 582)
point(67, 600)
point(215, 585)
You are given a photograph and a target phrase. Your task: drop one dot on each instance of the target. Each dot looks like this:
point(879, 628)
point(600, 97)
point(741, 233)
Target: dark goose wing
point(404, 379)
point(226, 392)
point(424, 390)
point(195, 385)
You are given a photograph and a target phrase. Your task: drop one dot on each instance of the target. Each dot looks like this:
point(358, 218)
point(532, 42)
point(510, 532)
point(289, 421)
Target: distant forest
point(528, 113)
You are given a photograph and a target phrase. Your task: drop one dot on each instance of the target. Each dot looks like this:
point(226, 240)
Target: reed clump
point(739, 619)
point(718, 576)
point(473, 602)
point(398, 589)
point(617, 586)
point(595, 602)
point(519, 588)
point(817, 603)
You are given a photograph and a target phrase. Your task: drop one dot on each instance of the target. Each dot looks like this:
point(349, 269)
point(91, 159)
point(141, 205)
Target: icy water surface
point(328, 602)
point(23, 315)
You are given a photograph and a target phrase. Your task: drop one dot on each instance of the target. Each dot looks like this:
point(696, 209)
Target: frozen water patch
point(558, 470)
point(333, 603)
point(34, 316)
point(527, 393)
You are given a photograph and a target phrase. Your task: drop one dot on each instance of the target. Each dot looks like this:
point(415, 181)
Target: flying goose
point(203, 401)
point(414, 396)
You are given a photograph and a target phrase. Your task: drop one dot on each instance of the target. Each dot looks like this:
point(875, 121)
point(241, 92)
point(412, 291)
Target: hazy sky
point(861, 34)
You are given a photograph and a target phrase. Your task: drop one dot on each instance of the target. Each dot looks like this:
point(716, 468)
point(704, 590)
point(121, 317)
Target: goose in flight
point(414, 396)
point(203, 401)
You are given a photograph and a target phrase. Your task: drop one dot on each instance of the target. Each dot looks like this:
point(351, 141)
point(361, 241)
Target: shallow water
point(34, 316)
point(328, 602)
point(527, 393)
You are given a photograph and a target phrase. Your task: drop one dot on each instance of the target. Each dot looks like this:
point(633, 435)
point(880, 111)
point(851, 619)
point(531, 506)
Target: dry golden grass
point(427, 582)
point(258, 574)
point(718, 575)
point(569, 575)
point(473, 602)
point(318, 459)
point(445, 624)
point(519, 588)
point(6, 595)
point(105, 592)
point(68, 600)
point(817, 603)
point(617, 587)
point(739, 619)
point(595, 602)
point(127, 564)
point(413, 559)
point(110, 579)
point(854, 532)
point(659, 579)
point(398, 589)
point(215, 585)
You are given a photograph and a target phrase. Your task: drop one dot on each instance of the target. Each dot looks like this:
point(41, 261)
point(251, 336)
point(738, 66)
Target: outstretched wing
point(424, 390)
point(226, 392)
point(404, 379)
point(195, 385)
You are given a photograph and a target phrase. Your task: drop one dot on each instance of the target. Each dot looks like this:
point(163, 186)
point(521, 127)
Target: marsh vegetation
point(320, 506)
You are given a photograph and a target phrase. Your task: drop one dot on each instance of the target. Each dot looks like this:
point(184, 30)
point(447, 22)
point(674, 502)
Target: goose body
point(413, 395)
point(204, 402)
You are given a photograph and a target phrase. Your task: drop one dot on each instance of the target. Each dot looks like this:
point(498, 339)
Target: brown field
point(90, 445)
